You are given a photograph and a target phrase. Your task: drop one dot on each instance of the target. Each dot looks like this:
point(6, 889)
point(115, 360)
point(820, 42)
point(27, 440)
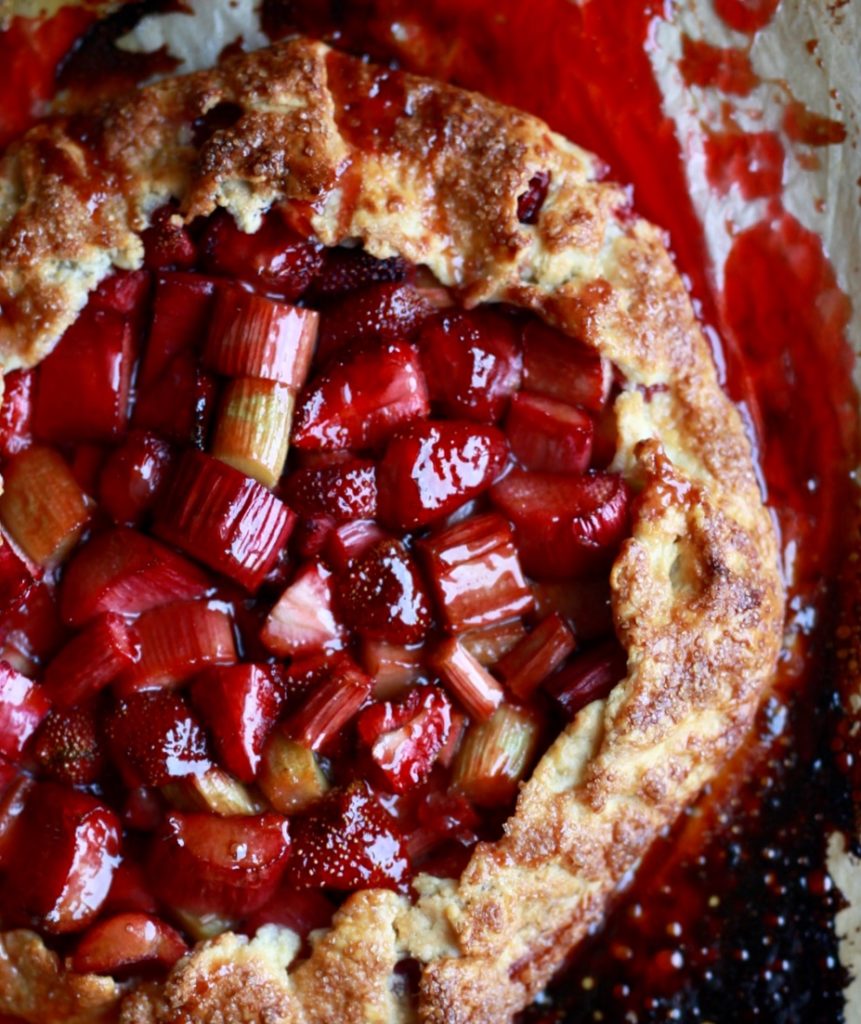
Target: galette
point(383, 566)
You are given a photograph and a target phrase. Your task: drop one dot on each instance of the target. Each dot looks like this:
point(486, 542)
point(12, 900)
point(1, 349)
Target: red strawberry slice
point(31, 630)
point(240, 704)
point(472, 363)
point(273, 258)
point(63, 858)
point(591, 676)
point(222, 865)
point(405, 739)
point(178, 404)
point(348, 841)
point(299, 910)
point(350, 540)
point(91, 660)
point(303, 621)
point(362, 397)
point(129, 891)
point(23, 705)
point(345, 270)
point(347, 490)
point(310, 538)
point(133, 475)
point(154, 737)
point(381, 595)
point(181, 311)
point(123, 571)
point(128, 942)
point(166, 241)
point(16, 411)
point(123, 291)
point(68, 747)
point(564, 525)
point(560, 367)
point(92, 362)
point(431, 468)
point(476, 573)
point(536, 656)
point(223, 518)
point(548, 435)
point(331, 704)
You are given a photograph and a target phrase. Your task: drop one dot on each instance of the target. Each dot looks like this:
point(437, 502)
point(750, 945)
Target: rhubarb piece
point(180, 317)
point(345, 491)
point(548, 435)
point(495, 755)
point(240, 704)
point(559, 367)
point(253, 428)
point(392, 667)
point(62, 860)
point(166, 241)
point(179, 404)
point(348, 841)
point(202, 927)
point(226, 520)
point(12, 804)
point(362, 397)
point(68, 747)
point(591, 676)
point(93, 363)
point(584, 604)
point(477, 690)
point(42, 507)
point(381, 595)
point(15, 575)
point(177, 641)
point(31, 631)
point(91, 660)
point(490, 643)
point(472, 363)
point(123, 571)
point(123, 291)
point(303, 620)
point(252, 336)
point(132, 477)
point(529, 203)
point(431, 468)
point(330, 706)
point(564, 525)
point(302, 911)
point(345, 270)
point(154, 738)
point(128, 942)
point(290, 776)
point(351, 540)
point(215, 791)
point(23, 705)
point(228, 866)
point(536, 657)
point(273, 258)
point(475, 572)
point(405, 739)
point(86, 462)
point(16, 412)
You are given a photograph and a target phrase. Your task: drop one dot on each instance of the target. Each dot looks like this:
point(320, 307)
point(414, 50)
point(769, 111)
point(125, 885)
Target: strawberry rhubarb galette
point(383, 567)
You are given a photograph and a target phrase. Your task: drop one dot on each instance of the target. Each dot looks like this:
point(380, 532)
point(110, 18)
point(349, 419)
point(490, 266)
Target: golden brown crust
point(696, 592)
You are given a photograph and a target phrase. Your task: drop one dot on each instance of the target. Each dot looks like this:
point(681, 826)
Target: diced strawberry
point(405, 739)
point(23, 705)
point(274, 258)
point(92, 362)
point(311, 536)
point(591, 676)
point(302, 911)
point(381, 595)
point(129, 891)
point(209, 864)
point(31, 630)
point(91, 660)
point(431, 468)
point(392, 667)
point(564, 525)
point(62, 860)
point(538, 655)
point(472, 363)
point(477, 690)
point(177, 641)
point(495, 755)
point(605, 437)
point(345, 491)
point(12, 803)
point(123, 571)
point(305, 673)
point(330, 706)
point(16, 411)
point(559, 367)
point(443, 818)
point(154, 738)
point(179, 404)
point(529, 203)
point(348, 841)
point(133, 476)
point(252, 336)
point(68, 747)
point(166, 241)
point(181, 312)
point(143, 809)
point(389, 311)
point(475, 572)
point(548, 435)
point(15, 575)
point(240, 704)
point(490, 643)
point(351, 540)
point(225, 519)
point(585, 604)
point(123, 291)
point(302, 620)
point(345, 270)
point(128, 942)
point(362, 397)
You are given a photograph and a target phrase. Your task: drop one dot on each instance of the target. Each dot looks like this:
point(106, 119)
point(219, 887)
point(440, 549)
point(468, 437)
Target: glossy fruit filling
point(303, 567)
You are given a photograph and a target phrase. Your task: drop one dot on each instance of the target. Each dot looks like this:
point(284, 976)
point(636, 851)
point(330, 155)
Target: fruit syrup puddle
point(711, 928)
